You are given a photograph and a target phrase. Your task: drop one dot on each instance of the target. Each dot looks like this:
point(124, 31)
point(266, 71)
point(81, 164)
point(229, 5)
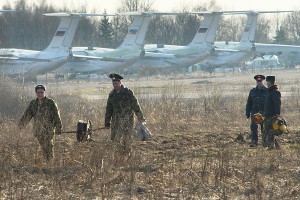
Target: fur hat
point(270, 78)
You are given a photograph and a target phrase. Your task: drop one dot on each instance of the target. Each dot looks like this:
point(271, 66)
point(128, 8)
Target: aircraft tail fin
point(249, 30)
point(207, 30)
point(251, 24)
point(137, 31)
point(63, 37)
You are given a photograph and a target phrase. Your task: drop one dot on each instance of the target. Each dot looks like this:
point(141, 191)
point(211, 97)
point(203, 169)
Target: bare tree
point(291, 24)
point(136, 5)
point(230, 29)
point(263, 30)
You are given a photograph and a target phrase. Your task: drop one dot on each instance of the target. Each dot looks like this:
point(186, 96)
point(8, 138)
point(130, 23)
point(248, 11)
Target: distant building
point(264, 62)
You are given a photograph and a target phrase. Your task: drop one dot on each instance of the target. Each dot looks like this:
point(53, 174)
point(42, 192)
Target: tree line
point(29, 29)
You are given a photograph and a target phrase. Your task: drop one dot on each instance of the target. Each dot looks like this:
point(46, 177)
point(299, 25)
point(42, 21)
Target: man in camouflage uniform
point(272, 110)
point(255, 104)
point(46, 120)
point(120, 108)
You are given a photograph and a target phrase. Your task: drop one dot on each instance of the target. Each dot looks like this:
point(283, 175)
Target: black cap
point(259, 77)
point(115, 77)
point(40, 87)
point(270, 78)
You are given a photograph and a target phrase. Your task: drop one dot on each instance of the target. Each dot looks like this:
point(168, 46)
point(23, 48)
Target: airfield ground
point(195, 120)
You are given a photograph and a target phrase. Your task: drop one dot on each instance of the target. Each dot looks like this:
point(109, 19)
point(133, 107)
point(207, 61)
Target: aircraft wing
point(7, 11)
point(225, 50)
point(158, 55)
point(113, 59)
point(98, 58)
point(10, 57)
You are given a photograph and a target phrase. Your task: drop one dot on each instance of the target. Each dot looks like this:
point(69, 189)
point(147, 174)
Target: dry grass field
point(195, 119)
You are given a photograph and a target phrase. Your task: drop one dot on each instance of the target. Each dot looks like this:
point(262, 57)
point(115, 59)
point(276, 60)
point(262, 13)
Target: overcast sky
point(169, 5)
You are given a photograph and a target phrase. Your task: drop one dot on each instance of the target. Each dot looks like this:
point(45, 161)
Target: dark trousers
point(254, 132)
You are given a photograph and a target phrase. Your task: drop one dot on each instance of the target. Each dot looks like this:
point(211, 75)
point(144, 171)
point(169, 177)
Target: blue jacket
point(273, 102)
point(256, 100)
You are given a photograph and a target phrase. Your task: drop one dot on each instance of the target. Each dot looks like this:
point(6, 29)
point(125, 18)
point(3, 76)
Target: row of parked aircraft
point(61, 57)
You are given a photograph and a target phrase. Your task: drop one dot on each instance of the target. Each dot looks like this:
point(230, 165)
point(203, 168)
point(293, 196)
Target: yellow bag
point(279, 124)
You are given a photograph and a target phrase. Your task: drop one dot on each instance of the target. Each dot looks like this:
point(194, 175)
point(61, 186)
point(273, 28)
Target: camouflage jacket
point(45, 115)
point(122, 105)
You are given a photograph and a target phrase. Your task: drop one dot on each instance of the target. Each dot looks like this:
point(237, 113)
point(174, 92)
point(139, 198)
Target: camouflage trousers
point(268, 133)
point(45, 139)
point(121, 133)
point(123, 140)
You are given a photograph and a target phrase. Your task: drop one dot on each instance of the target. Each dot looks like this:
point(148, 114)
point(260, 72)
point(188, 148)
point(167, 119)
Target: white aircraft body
point(247, 48)
point(111, 59)
point(183, 56)
point(288, 54)
point(244, 50)
point(30, 63)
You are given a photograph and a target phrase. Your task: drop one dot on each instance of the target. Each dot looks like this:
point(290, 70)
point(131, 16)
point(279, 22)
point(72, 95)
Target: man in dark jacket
point(272, 110)
point(120, 109)
point(46, 120)
point(255, 104)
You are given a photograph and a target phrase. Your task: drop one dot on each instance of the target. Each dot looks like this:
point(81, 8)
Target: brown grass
point(193, 154)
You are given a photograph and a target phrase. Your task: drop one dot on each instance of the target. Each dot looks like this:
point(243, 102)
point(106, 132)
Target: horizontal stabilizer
point(76, 14)
point(7, 11)
point(135, 13)
point(237, 12)
point(150, 14)
point(168, 13)
point(206, 12)
point(255, 12)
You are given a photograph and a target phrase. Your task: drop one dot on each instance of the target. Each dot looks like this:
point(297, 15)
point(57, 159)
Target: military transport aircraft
point(183, 56)
point(201, 47)
point(246, 48)
point(30, 63)
point(111, 59)
point(287, 52)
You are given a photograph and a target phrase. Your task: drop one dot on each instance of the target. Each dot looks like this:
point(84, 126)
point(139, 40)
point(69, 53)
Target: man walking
point(272, 110)
point(46, 120)
point(120, 108)
point(255, 104)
